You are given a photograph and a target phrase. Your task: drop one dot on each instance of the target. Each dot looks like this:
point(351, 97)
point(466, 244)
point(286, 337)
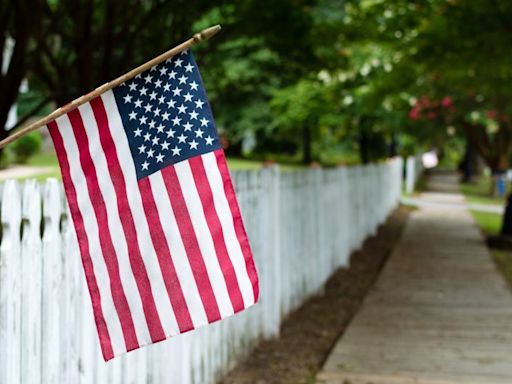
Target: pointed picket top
point(31, 206)
point(11, 202)
point(52, 201)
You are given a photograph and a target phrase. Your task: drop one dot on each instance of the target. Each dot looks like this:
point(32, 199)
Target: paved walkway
point(489, 208)
point(440, 312)
point(24, 171)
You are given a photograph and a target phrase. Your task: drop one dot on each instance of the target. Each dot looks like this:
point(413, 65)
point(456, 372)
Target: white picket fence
point(413, 171)
point(301, 225)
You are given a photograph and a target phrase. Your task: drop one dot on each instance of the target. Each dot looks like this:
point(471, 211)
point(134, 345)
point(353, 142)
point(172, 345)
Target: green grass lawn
point(489, 223)
point(238, 164)
point(49, 159)
point(478, 192)
point(43, 159)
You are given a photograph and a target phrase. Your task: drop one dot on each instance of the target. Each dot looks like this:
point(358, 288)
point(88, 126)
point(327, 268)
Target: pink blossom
point(447, 101)
point(414, 114)
point(492, 114)
point(424, 101)
point(431, 115)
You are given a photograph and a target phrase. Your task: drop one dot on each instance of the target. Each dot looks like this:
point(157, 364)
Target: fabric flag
point(159, 229)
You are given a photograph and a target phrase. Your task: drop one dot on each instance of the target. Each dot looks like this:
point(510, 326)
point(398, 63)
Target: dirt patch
point(309, 333)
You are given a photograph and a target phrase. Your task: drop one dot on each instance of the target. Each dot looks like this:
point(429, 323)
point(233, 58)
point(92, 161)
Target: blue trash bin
point(501, 185)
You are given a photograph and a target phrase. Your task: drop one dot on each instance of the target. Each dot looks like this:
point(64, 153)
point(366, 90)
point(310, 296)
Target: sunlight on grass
point(243, 164)
point(44, 176)
point(235, 164)
point(489, 223)
point(43, 159)
point(478, 192)
point(50, 159)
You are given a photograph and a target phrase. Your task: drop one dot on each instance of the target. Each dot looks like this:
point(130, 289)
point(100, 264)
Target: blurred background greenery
point(290, 81)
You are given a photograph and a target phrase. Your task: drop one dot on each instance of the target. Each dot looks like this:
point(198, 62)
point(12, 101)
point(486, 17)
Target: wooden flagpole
point(205, 34)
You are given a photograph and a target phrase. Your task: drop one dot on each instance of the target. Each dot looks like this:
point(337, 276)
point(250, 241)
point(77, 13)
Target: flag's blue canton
point(166, 115)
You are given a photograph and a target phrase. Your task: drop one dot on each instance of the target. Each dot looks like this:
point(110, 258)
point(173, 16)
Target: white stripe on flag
point(204, 237)
point(178, 253)
point(91, 227)
point(226, 220)
point(115, 226)
point(147, 249)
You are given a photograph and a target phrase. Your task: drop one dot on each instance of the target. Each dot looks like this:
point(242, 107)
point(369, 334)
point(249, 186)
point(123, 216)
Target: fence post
point(410, 174)
point(31, 284)
point(10, 289)
point(72, 283)
point(343, 214)
point(271, 251)
point(399, 169)
point(89, 345)
point(52, 282)
point(320, 196)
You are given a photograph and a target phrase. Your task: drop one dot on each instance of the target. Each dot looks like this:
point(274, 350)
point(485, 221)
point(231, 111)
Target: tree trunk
point(364, 147)
point(234, 148)
point(393, 146)
point(23, 22)
point(3, 135)
point(467, 165)
point(506, 226)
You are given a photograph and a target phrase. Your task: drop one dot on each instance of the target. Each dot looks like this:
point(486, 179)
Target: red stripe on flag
point(237, 218)
point(109, 254)
point(83, 242)
point(136, 262)
point(172, 283)
point(189, 238)
point(206, 196)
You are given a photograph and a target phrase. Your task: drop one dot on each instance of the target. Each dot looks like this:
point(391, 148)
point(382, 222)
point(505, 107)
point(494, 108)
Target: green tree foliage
point(304, 75)
point(26, 146)
point(265, 46)
point(300, 112)
point(463, 51)
point(89, 42)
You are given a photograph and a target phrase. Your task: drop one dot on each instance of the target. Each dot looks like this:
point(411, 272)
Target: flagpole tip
point(207, 33)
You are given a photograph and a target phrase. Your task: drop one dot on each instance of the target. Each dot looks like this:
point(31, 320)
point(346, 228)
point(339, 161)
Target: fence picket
point(52, 279)
point(72, 282)
point(31, 264)
point(10, 290)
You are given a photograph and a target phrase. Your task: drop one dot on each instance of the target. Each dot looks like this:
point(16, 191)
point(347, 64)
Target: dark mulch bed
point(309, 333)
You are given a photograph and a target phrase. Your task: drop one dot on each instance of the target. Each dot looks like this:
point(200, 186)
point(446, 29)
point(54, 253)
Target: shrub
point(27, 146)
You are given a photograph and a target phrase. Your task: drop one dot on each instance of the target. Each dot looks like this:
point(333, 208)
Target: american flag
point(159, 229)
